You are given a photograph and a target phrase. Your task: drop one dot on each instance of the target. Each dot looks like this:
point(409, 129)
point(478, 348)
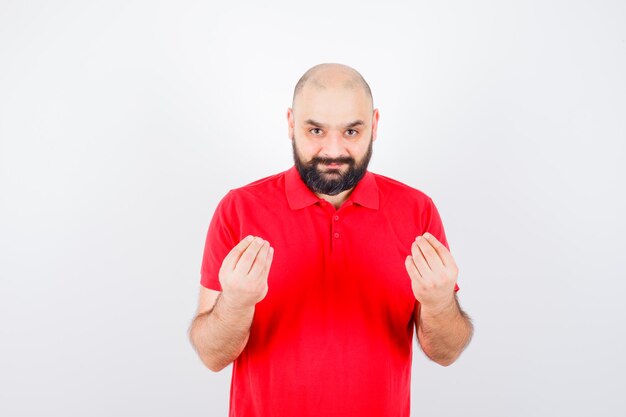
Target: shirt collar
point(365, 193)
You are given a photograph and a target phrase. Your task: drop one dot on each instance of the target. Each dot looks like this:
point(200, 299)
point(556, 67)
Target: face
point(332, 132)
point(322, 177)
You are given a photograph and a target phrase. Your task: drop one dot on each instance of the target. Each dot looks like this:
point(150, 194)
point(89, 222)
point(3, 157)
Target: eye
point(352, 130)
point(315, 128)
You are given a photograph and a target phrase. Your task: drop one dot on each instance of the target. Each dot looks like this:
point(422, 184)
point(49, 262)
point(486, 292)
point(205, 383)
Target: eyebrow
point(347, 125)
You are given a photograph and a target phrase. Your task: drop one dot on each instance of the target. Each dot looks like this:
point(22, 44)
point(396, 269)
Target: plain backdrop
point(122, 124)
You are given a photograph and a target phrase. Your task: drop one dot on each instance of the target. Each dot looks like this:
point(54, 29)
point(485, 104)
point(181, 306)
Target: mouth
point(334, 165)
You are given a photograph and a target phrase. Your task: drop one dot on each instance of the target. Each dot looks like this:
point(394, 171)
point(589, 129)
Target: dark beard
point(332, 183)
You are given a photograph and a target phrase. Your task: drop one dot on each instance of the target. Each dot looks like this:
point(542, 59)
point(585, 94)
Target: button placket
point(336, 234)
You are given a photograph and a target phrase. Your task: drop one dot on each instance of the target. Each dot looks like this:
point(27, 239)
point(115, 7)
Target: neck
point(336, 200)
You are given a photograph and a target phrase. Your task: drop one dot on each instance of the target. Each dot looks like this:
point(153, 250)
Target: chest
point(336, 267)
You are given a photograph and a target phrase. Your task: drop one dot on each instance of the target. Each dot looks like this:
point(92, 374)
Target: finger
point(268, 263)
point(444, 253)
point(430, 254)
point(260, 261)
point(247, 257)
point(412, 270)
point(420, 261)
point(230, 261)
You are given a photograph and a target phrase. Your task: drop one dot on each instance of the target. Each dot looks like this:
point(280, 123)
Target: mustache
point(327, 161)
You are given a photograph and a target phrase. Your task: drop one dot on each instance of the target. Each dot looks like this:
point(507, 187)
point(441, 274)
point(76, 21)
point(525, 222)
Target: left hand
point(433, 273)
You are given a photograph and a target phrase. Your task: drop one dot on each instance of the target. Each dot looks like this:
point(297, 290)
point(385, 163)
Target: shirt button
point(336, 217)
point(336, 235)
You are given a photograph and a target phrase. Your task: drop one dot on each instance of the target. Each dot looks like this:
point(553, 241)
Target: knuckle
point(248, 255)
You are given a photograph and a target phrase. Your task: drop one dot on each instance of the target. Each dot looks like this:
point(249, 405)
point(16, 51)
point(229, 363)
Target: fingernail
point(427, 235)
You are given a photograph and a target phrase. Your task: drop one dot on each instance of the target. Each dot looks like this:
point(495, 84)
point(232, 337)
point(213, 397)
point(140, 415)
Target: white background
point(122, 124)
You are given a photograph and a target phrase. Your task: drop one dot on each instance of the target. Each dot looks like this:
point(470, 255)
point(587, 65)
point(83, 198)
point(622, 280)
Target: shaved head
point(332, 125)
point(331, 75)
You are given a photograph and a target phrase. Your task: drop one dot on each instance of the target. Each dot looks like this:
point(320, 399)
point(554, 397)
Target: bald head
point(331, 76)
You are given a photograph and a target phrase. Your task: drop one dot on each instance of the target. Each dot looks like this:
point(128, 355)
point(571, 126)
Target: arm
point(443, 328)
point(220, 334)
point(443, 334)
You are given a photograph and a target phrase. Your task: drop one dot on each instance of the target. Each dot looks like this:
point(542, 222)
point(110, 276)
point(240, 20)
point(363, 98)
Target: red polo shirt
point(333, 336)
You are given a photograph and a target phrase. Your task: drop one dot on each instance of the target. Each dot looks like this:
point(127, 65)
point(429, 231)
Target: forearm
point(221, 334)
point(443, 335)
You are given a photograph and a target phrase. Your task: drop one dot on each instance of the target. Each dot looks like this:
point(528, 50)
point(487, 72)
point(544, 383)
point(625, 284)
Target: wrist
point(232, 304)
point(444, 309)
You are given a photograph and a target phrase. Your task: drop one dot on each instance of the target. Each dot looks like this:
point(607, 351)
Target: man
point(313, 279)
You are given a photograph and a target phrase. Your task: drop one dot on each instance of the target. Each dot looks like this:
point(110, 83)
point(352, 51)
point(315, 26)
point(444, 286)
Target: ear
point(375, 116)
point(290, 123)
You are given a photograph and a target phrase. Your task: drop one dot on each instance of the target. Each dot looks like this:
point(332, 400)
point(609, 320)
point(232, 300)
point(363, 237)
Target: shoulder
point(266, 188)
point(392, 190)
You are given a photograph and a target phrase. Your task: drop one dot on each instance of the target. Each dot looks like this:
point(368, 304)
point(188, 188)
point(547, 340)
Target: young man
point(314, 278)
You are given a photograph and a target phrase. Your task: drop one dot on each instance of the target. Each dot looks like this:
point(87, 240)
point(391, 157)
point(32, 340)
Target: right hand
point(244, 271)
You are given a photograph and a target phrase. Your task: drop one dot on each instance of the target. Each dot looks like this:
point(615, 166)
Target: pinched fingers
point(422, 267)
point(409, 264)
point(248, 256)
point(429, 252)
point(262, 262)
point(442, 250)
point(231, 259)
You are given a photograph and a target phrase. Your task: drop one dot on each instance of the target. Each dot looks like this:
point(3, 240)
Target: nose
point(333, 146)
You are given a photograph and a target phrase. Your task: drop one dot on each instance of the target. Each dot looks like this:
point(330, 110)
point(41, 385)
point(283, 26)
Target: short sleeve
point(434, 226)
point(220, 239)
